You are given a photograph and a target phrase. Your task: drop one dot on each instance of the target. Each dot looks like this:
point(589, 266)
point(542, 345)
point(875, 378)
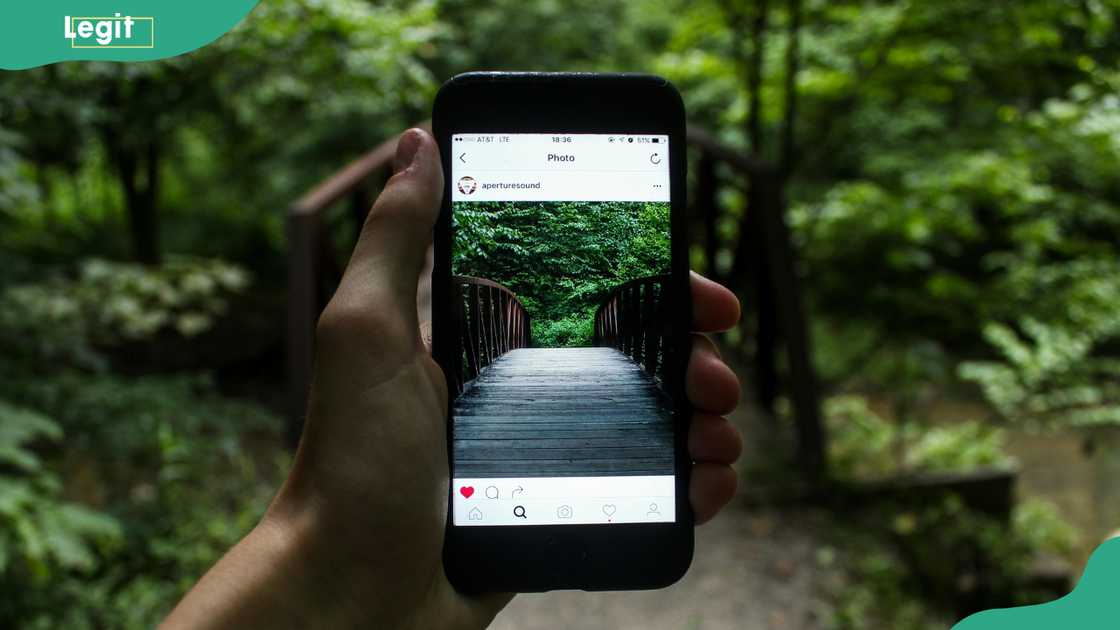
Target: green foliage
point(869, 587)
point(562, 259)
point(954, 206)
point(41, 533)
point(1058, 371)
point(15, 189)
point(1038, 525)
point(906, 567)
point(1049, 378)
point(242, 131)
point(572, 331)
point(58, 320)
point(172, 465)
point(864, 445)
point(116, 492)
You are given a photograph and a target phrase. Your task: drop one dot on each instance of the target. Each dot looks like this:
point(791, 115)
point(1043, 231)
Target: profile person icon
point(467, 184)
point(653, 510)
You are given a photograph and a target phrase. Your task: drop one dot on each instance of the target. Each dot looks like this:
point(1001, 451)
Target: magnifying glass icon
point(519, 511)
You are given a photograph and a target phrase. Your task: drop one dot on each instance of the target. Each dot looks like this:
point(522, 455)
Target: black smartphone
point(561, 311)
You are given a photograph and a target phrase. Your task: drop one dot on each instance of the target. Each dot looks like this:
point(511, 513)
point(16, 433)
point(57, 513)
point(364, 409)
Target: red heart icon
point(466, 491)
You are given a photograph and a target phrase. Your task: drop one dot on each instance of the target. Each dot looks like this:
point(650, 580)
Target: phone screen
point(561, 292)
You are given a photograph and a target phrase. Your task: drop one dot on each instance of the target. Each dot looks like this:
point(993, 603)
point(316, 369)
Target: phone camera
point(629, 139)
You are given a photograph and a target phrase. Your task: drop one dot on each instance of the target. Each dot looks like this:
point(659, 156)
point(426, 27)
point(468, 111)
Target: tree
point(292, 87)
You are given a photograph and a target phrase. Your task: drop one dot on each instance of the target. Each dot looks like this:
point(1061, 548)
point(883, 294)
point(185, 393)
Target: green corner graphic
point(1090, 606)
point(49, 31)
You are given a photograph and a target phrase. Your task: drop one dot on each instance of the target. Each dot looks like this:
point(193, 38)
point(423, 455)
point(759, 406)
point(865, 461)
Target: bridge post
point(636, 327)
point(653, 324)
point(488, 324)
point(508, 323)
point(473, 332)
point(615, 335)
point(303, 312)
point(640, 329)
point(627, 327)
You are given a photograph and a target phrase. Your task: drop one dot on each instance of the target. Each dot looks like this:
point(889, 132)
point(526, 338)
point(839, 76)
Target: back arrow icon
point(461, 158)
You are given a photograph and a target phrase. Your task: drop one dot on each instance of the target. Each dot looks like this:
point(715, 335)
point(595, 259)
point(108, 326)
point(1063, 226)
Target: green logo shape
point(1090, 606)
point(49, 31)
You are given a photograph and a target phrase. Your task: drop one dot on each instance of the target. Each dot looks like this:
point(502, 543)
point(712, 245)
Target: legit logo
point(111, 32)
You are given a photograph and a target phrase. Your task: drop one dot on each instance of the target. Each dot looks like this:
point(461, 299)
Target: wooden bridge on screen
point(527, 412)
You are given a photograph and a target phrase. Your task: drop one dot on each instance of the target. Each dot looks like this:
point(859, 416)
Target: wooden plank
point(550, 424)
point(562, 411)
point(566, 467)
point(605, 441)
point(499, 452)
point(583, 431)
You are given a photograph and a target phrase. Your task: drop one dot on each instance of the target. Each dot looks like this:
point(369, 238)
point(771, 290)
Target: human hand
point(357, 530)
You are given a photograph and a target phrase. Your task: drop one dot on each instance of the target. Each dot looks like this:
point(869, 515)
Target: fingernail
point(407, 149)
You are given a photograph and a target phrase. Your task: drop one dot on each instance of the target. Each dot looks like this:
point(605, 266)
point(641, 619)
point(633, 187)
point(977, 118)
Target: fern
point(40, 533)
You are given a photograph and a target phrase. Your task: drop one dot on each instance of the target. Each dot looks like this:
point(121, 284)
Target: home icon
point(474, 515)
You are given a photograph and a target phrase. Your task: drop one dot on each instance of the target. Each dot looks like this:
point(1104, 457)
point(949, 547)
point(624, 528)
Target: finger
point(424, 298)
point(711, 488)
point(713, 439)
point(711, 385)
point(714, 307)
point(385, 267)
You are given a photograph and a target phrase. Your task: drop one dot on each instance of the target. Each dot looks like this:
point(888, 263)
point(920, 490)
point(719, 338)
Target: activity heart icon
point(608, 509)
point(466, 491)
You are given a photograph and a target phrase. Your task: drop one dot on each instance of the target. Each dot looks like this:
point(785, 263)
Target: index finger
point(714, 307)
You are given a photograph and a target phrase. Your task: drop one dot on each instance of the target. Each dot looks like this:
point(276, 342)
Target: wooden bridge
point(759, 264)
point(529, 412)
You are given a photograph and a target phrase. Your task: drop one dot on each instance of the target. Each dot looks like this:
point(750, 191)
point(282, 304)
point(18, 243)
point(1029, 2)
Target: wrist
point(326, 585)
point(363, 575)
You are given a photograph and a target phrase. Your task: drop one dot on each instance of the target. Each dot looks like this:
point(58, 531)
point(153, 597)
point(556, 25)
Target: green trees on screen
point(562, 259)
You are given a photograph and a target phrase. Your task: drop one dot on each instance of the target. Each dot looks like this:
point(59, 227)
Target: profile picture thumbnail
point(467, 185)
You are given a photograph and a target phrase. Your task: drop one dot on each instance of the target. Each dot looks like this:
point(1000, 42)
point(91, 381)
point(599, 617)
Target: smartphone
point(561, 311)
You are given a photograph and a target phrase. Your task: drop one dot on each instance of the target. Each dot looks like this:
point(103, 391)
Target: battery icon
point(655, 140)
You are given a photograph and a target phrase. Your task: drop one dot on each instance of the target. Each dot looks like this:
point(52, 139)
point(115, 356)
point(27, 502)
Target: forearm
point(295, 571)
point(355, 537)
point(273, 579)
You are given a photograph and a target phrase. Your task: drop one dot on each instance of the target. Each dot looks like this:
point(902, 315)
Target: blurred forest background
point(561, 259)
point(943, 175)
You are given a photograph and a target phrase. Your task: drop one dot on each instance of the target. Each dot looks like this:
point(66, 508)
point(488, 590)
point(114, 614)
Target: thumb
point(381, 278)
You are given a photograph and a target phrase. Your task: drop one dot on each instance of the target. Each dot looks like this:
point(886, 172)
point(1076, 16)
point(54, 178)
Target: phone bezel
point(588, 557)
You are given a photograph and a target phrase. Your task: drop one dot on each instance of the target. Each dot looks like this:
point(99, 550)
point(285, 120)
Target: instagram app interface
point(560, 295)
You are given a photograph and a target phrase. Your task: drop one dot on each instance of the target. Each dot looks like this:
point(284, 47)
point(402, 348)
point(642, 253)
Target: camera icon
point(564, 511)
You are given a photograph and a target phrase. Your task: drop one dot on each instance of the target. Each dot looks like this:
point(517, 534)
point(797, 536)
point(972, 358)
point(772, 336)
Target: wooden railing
point(763, 273)
point(492, 321)
point(632, 320)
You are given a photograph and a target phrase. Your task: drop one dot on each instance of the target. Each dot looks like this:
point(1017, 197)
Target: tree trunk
point(140, 196)
point(708, 213)
point(794, 325)
point(767, 333)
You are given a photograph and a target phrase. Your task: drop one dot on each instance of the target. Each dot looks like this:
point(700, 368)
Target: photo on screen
point(562, 326)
